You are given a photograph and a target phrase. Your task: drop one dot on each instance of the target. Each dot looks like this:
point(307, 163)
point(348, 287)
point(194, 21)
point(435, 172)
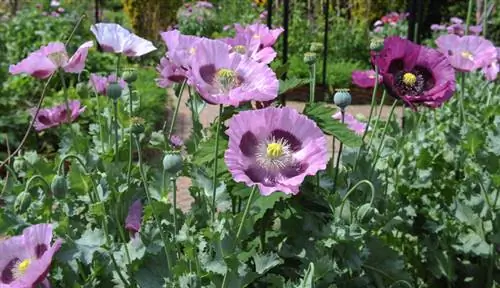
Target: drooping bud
point(129, 76)
point(137, 125)
point(114, 91)
point(310, 58)
point(59, 186)
point(23, 202)
point(316, 47)
point(172, 162)
point(342, 98)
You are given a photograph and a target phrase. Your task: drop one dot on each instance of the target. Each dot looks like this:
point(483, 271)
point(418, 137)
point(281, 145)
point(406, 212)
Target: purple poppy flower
point(352, 123)
point(169, 73)
point(100, 83)
point(457, 29)
point(274, 148)
point(456, 20)
point(51, 117)
point(415, 74)
point(438, 27)
point(467, 53)
point(476, 30)
point(45, 61)
point(116, 39)
point(249, 46)
point(266, 36)
point(134, 217)
point(365, 79)
point(222, 77)
point(26, 258)
point(181, 48)
point(176, 141)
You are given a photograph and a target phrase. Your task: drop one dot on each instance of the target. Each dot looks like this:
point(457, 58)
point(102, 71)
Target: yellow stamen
point(192, 50)
point(274, 150)
point(409, 79)
point(467, 55)
point(239, 49)
point(22, 267)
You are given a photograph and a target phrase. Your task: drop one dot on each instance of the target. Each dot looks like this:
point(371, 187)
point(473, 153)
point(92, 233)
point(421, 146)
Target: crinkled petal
point(77, 62)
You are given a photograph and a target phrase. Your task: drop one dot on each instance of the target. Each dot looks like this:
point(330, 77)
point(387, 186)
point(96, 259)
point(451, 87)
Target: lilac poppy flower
point(266, 36)
point(352, 123)
point(365, 79)
point(45, 61)
point(228, 78)
point(26, 258)
point(437, 27)
point(491, 70)
point(456, 20)
point(169, 73)
point(415, 74)
point(181, 48)
point(176, 141)
point(457, 29)
point(249, 46)
point(274, 148)
point(476, 30)
point(134, 217)
point(51, 117)
point(467, 53)
point(100, 83)
point(116, 39)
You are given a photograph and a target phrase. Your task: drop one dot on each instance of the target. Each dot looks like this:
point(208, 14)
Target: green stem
point(115, 112)
point(37, 177)
point(176, 111)
point(372, 189)
point(342, 111)
point(461, 98)
point(384, 131)
point(174, 191)
point(66, 98)
point(150, 200)
point(216, 157)
point(469, 15)
point(131, 135)
point(485, 17)
point(376, 121)
point(101, 135)
point(312, 82)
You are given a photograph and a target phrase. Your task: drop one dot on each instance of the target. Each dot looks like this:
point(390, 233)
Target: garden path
point(183, 127)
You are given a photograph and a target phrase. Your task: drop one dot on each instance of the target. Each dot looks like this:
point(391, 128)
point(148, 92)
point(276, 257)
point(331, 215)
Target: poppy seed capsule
point(316, 47)
point(129, 76)
point(172, 162)
point(342, 98)
point(309, 58)
point(59, 186)
point(114, 91)
point(23, 202)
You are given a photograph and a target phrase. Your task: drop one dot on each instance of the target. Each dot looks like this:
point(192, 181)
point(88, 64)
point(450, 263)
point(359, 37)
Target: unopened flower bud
point(59, 186)
point(23, 202)
point(316, 47)
point(129, 76)
point(137, 125)
point(82, 89)
point(114, 91)
point(172, 162)
point(309, 58)
point(342, 98)
point(377, 44)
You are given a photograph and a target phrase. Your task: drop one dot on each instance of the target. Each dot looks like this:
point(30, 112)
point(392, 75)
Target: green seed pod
point(310, 58)
point(377, 44)
point(23, 202)
point(59, 186)
point(82, 89)
point(342, 98)
point(129, 76)
point(137, 125)
point(172, 162)
point(114, 91)
point(316, 47)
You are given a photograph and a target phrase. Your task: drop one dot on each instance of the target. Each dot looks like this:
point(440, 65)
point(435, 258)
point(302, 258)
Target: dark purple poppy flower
point(415, 74)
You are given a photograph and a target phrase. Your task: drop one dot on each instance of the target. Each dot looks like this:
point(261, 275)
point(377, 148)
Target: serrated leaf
point(322, 115)
point(307, 281)
point(204, 155)
point(290, 84)
point(266, 262)
point(90, 242)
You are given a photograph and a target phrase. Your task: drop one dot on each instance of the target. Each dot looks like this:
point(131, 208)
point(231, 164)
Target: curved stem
point(130, 146)
point(37, 177)
point(372, 105)
point(342, 111)
point(176, 111)
point(214, 179)
point(376, 121)
point(384, 131)
point(150, 200)
point(352, 190)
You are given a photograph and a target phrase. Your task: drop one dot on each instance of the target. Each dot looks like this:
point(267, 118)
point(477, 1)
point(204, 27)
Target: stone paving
point(183, 127)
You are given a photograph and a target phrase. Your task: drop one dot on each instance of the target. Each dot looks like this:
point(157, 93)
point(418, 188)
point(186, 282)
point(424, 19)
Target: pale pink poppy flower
point(116, 39)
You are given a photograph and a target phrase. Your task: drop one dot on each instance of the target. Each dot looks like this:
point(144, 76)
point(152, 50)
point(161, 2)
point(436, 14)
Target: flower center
point(227, 79)
point(21, 268)
point(192, 50)
point(256, 36)
point(409, 79)
point(274, 150)
point(467, 55)
point(58, 58)
point(239, 49)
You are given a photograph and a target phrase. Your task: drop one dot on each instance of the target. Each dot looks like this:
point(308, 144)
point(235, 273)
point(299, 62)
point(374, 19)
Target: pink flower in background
point(491, 70)
point(266, 36)
point(180, 48)
point(26, 258)
point(365, 79)
point(55, 116)
point(467, 53)
point(100, 83)
point(134, 217)
point(275, 149)
point(457, 29)
point(249, 46)
point(378, 23)
point(204, 4)
point(169, 73)
point(415, 74)
point(352, 123)
point(60, 10)
point(476, 30)
point(176, 141)
point(438, 27)
point(222, 77)
point(54, 14)
point(116, 39)
point(226, 27)
point(456, 20)
point(45, 61)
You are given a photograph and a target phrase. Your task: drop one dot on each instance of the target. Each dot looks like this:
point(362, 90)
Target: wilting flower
point(222, 77)
point(134, 217)
point(415, 74)
point(45, 61)
point(437, 27)
point(274, 148)
point(491, 70)
point(352, 123)
point(266, 36)
point(365, 79)
point(26, 258)
point(50, 117)
point(100, 83)
point(249, 46)
point(116, 39)
point(467, 53)
point(176, 141)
